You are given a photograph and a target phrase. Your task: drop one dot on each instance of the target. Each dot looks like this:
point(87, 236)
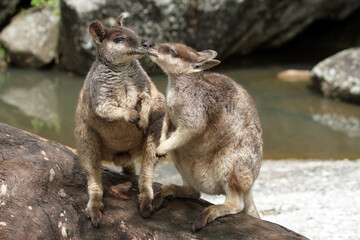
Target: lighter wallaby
point(212, 130)
point(119, 114)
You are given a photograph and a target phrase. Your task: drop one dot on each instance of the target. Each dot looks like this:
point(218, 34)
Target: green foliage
point(44, 3)
point(37, 124)
point(47, 3)
point(22, 10)
point(3, 55)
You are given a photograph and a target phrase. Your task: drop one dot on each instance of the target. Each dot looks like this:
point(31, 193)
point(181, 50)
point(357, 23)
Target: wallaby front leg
point(149, 160)
point(165, 128)
point(180, 137)
point(110, 111)
point(145, 105)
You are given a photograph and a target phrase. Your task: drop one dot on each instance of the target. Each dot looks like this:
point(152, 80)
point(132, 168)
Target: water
point(297, 122)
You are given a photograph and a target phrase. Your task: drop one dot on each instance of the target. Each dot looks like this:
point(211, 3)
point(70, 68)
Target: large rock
point(7, 8)
point(339, 75)
point(43, 194)
point(229, 26)
point(31, 38)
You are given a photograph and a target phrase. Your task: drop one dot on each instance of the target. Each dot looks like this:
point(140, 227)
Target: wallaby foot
point(213, 212)
point(94, 213)
point(145, 205)
point(173, 190)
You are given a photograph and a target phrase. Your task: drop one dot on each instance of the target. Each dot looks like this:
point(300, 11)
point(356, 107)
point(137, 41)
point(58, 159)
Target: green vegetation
point(55, 4)
point(3, 55)
point(37, 124)
point(44, 3)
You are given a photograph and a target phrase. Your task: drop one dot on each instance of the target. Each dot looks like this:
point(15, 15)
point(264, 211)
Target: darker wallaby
point(212, 130)
point(119, 114)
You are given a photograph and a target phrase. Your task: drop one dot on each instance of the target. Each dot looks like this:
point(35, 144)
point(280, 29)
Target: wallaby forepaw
point(94, 214)
point(134, 116)
point(142, 124)
point(201, 221)
point(159, 155)
point(160, 152)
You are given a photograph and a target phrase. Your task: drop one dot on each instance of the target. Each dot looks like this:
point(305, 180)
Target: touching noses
point(147, 44)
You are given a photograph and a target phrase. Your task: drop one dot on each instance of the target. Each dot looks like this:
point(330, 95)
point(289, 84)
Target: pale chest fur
point(119, 135)
point(127, 96)
point(171, 102)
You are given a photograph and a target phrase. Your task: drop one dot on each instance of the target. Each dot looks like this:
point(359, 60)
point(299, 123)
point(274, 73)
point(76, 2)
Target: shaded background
point(255, 40)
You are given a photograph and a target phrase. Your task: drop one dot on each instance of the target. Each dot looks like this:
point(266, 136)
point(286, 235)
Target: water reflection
point(297, 123)
point(42, 102)
point(348, 125)
point(38, 102)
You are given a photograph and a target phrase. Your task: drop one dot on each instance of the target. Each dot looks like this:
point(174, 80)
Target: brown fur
point(119, 115)
point(212, 130)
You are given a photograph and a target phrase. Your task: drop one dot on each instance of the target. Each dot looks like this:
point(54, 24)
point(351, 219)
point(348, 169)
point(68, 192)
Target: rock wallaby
point(212, 131)
point(119, 114)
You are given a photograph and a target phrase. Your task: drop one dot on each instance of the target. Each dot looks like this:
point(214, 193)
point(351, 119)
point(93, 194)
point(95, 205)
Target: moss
point(54, 4)
point(3, 55)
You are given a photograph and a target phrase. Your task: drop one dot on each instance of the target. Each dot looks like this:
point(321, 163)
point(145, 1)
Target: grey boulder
point(31, 38)
point(229, 27)
point(339, 75)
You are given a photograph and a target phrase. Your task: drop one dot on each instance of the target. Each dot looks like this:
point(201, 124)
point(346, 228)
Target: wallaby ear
point(208, 54)
point(198, 67)
point(97, 32)
point(120, 19)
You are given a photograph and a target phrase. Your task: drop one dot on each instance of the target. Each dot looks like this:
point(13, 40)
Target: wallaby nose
point(147, 44)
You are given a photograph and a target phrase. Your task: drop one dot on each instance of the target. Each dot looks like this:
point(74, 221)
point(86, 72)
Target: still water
point(297, 122)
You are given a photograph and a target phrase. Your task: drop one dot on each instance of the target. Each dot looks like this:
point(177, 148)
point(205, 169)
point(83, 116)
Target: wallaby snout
point(147, 44)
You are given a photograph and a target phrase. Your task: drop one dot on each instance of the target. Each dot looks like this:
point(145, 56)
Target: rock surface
point(339, 75)
point(294, 75)
point(7, 8)
point(226, 26)
point(31, 38)
point(43, 194)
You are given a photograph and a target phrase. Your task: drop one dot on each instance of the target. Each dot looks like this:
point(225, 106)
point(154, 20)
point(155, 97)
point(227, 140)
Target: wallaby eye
point(118, 39)
point(174, 54)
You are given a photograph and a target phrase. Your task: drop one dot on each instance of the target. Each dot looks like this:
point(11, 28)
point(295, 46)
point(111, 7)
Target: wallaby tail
point(250, 207)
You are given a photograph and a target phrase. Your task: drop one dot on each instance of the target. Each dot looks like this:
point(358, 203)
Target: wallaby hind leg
point(148, 163)
point(89, 150)
point(250, 207)
point(233, 204)
point(174, 190)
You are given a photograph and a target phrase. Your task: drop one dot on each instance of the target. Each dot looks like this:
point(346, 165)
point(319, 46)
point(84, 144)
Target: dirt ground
point(318, 199)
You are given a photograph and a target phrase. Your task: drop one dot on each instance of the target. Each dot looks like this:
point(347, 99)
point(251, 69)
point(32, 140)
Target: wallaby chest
point(126, 95)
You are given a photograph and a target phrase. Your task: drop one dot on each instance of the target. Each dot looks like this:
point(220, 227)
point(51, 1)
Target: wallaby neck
point(180, 80)
point(122, 68)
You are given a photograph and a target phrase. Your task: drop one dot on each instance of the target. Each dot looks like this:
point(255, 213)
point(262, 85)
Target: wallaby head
point(117, 44)
point(177, 58)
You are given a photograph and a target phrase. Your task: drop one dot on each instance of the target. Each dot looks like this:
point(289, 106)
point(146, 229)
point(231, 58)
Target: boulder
point(294, 75)
point(31, 38)
point(339, 75)
point(229, 27)
point(43, 196)
point(7, 8)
